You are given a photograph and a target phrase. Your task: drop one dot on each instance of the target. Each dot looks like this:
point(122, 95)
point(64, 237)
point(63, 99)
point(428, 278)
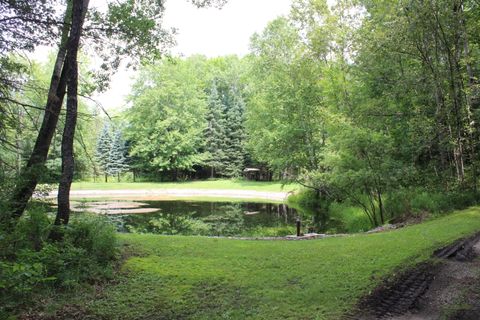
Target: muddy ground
point(448, 288)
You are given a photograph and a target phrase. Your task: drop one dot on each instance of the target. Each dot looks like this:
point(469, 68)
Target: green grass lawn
point(208, 184)
point(175, 277)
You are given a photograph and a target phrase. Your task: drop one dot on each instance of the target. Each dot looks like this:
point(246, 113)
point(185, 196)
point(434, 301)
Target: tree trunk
point(29, 176)
point(380, 206)
point(79, 10)
point(472, 125)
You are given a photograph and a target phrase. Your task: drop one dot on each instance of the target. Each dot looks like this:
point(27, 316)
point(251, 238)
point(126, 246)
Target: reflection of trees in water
point(166, 223)
point(318, 220)
point(229, 222)
point(214, 218)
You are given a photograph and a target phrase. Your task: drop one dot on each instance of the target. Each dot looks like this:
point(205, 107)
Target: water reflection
point(217, 219)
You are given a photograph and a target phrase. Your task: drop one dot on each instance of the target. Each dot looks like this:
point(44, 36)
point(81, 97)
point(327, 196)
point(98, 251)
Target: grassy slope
point(210, 184)
point(206, 278)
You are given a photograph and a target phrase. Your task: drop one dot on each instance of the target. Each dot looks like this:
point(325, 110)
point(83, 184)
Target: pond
point(172, 217)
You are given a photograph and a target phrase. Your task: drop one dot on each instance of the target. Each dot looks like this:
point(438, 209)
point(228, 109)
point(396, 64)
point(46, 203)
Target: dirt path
point(177, 193)
point(449, 290)
point(450, 293)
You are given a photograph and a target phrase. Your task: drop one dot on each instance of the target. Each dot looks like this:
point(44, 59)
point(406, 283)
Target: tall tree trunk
point(472, 126)
point(79, 10)
point(29, 176)
point(380, 206)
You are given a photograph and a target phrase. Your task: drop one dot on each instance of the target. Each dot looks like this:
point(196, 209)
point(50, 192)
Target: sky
point(208, 31)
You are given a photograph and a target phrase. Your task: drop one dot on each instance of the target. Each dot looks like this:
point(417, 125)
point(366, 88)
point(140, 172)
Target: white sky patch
point(208, 31)
point(216, 32)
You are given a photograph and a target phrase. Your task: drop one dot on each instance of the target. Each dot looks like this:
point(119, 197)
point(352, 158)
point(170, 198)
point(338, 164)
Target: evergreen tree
point(215, 131)
point(117, 162)
point(234, 154)
point(103, 151)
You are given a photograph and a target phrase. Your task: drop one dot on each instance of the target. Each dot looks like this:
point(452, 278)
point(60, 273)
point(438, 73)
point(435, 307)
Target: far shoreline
point(178, 194)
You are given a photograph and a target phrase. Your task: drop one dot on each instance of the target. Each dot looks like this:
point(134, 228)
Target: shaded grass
point(206, 278)
point(207, 184)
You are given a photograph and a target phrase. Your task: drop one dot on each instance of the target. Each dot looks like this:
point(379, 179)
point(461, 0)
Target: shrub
point(350, 219)
point(412, 202)
point(30, 264)
point(306, 199)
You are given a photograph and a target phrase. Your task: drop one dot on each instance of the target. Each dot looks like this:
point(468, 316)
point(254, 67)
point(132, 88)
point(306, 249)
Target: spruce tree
point(102, 152)
point(234, 155)
point(215, 132)
point(117, 161)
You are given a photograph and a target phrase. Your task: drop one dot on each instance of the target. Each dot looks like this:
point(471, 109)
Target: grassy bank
point(208, 184)
point(205, 278)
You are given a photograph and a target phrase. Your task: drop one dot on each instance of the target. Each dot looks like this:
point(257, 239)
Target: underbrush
point(351, 218)
point(31, 265)
point(406, 203)
point(400, 206)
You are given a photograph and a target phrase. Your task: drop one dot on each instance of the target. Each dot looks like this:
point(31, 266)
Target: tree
point(103, 150)
point(284, 126)
point(215, 131)
point(425, 98)
point(79, 11)
point(116, 157)
point(167, 117)
point(113, 38)
point(233, 160)
point(28, 178)
point(358, 166)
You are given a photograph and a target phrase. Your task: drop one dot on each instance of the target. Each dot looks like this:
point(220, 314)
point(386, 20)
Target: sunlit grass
point(176, 277)
point(207, 184)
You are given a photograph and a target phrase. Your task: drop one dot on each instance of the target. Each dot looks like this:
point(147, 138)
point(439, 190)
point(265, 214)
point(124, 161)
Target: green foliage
point(215, 131)
point(110, 153)
point(350, 219)
point(171, 224)
point(32, 265)
point(103, 149)
point(225, 133)
point(305, 199)
point(284, 126)
point(414, 202)
point(167, 117)
point(342, 217)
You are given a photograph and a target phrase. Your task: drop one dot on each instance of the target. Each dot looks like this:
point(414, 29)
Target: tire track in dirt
point(429, 292)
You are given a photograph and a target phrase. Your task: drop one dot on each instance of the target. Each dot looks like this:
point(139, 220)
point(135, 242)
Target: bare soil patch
point(448, 289)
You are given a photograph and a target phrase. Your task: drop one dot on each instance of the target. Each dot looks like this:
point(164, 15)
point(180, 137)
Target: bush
point(30, 264)
point(351, 219)
point(413, 202)
point(306, 199)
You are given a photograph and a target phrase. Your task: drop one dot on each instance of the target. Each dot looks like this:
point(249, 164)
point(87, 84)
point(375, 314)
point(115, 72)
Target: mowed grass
point(224, 184)
point(176, 277)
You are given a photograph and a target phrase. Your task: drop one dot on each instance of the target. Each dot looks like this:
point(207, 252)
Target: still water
point(206, 218)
